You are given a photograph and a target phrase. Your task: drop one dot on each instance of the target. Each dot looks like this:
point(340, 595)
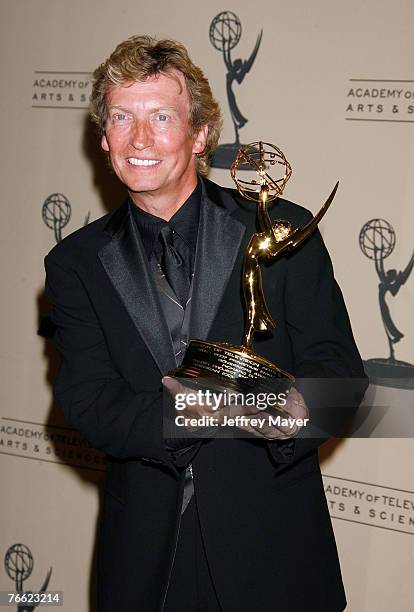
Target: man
point(213, 524)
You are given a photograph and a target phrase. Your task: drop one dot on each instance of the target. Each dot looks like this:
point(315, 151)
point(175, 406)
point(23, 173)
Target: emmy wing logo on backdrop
point(56, 212)
point(377, 241)
point(18, 563)
point(225, 32)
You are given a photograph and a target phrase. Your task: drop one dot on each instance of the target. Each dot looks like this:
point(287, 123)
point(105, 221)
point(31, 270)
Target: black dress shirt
point(184, 224)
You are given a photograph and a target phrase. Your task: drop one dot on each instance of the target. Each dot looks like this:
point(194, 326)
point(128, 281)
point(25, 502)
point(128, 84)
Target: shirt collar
point(184, 222)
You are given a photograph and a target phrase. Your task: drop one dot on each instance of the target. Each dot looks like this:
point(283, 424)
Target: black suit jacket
point(263, 513)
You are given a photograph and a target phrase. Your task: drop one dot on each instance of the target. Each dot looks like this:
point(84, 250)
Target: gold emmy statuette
point(237, 367)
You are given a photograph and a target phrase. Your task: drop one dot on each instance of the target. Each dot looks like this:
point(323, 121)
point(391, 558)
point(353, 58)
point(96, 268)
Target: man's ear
point(200, 140)
point(104, 143)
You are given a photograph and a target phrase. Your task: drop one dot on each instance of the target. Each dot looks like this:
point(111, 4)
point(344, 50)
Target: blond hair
point(141, 57)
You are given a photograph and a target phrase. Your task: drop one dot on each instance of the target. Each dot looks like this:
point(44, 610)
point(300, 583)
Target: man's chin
point(142, 187)
point(137, 193)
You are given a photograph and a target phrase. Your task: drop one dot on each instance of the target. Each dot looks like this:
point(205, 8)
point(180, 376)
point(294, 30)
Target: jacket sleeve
point(322, 344)
point(95, 398)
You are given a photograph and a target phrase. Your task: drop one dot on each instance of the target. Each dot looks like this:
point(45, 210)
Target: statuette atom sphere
point(225, 31)
point(18, 562)
point(377, 239)
point(270, 165)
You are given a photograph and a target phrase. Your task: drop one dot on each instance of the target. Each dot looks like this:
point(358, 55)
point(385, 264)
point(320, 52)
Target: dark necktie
point(174, 263)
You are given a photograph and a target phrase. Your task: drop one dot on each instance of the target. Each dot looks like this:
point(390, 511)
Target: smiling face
point(150, 142)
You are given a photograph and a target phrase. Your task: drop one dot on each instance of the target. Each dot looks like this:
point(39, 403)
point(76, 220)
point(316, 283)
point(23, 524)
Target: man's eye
point(162, 118)
point(119, 117)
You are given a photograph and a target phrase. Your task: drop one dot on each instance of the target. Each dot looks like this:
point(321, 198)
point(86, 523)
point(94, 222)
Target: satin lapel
point(218, 244)
point(125, 263)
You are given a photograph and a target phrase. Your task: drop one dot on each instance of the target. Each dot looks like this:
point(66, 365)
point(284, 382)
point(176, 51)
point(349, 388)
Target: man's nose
point(141, 137)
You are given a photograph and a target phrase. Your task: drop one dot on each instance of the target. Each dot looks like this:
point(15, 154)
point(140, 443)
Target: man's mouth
point(134, 161)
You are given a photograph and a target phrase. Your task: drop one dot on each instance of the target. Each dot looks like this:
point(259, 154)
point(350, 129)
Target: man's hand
point(255, 422)
point(295, 409)
point(219, 412)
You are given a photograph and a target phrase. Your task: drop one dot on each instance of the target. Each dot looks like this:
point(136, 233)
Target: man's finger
point(173, 386)
point(266, 432)
point(295, 405)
